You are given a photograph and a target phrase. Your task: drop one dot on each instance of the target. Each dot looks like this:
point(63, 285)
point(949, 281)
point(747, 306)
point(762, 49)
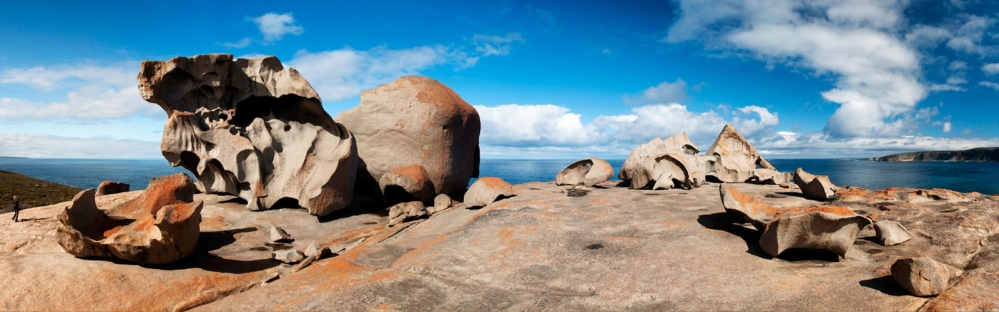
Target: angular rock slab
point(923, 276)
point(403, 211)
point(640, 165)
point(487, 190)
point(415, 120)
point(736, 158)
point(832, 228)
point(160, 226)
point(587, 172)
point(746, 207)
point(248, 128)
point(815, 187)
point(111, 187)
point(406, 183)
point(890, 233)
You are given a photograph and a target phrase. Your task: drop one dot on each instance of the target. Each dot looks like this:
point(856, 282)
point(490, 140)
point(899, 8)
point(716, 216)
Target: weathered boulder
point(408, 210)
point(248, 128)
point(769, 176)
point(313, 248)
point(288, 255)
point(832, 228)
point(487, 190)
point(415, 120)
point(640, 165)
point(736, 159)
point(158, 227)
point(672, 170)
point(891, 233)
point(586, 172)
point(407, 183)
point(279, 235)
point(111, 187)
point(815, 187)
point(923, 276)
point(441, 202)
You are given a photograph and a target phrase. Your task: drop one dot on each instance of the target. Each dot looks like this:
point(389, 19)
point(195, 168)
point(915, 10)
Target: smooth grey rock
point(441, 202)
point(639, 167)
point(923, 276)
point(247, 127)
point(817, 187)
point(672, 170)
point(891, 233)
point(485, 191)
point(278, 235)
point(586, 172)
point(312, 249)
point(289, 256)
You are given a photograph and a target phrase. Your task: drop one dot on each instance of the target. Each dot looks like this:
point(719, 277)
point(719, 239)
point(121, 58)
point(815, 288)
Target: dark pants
point(16, 210)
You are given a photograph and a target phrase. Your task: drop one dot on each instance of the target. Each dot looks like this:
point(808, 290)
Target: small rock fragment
point(111, 187)
point(288, 256)
point(486, 191)
point(278, 235)
point(891, 233)
point(736, 158)
point(408, 210)
point(313, 248)
point(923, 276)
point(816, 187)
point(441, 202)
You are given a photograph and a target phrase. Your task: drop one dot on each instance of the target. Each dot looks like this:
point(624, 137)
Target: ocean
point(958, 176)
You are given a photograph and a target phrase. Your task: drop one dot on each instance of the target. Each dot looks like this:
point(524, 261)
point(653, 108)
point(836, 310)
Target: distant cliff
point(975, 154)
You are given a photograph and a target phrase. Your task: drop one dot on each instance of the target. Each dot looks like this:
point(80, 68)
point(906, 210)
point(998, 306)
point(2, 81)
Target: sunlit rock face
point(414, 120)
point(249, 128)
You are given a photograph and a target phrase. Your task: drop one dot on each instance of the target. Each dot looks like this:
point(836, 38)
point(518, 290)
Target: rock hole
point(594, 246)
point(287, 128)
point(259, 249)
point(223, 116)
point(577, 193)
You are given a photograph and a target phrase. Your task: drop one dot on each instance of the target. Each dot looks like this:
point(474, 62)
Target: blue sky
point(550, 79)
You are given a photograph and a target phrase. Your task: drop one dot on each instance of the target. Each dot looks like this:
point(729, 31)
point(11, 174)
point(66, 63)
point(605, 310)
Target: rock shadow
point(358, 207)
point(723, 222)
point(794, 194)
point(885, 284)
point(202, 257)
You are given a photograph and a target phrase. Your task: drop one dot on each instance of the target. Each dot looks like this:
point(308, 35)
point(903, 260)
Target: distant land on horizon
point(973, 155)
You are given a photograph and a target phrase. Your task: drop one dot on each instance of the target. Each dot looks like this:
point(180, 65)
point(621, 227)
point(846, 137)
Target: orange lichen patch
point(874, 216)
point(416, 172)
point(602, 200)
point(750, 204)
point(113, 230)
point(385, 307)
point(495, 183)
point(836, 210)
point(508, 243)
point(410, 257)
point(213, 223)
point(856, 194)
point(354, 234)
point(673, 224)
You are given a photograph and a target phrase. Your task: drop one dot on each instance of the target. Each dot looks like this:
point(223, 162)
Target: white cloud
point(968, 36)
point(50, 146)
point(238, 44)
point(947, 126)
point(340, 74)
point(93, 93)
point(877, 76)
point(274, 26)
point(957, 65)
point(991, 69)
point(495, 45)
point(665, 92)
point(557, 129)
point(819, 145)
point(927, 36)
point(989, 84)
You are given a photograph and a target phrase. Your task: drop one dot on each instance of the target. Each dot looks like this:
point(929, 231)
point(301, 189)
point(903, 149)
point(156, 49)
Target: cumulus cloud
point(989, 84)
point(50, 146)
point(238, 44)
point(957, 65)
point(947, 126)
point(820, 145)
point(495, 45)
point(93, 92)
point(274, 26)
point(558, 129)
point(991, 69)
point(877, 76)
point(665, 92)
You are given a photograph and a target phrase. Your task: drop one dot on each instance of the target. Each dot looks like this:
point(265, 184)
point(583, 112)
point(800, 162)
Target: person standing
point(17, 208)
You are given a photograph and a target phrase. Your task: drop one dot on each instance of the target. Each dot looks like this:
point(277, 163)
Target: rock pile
point(249, 128)
point(160, 226)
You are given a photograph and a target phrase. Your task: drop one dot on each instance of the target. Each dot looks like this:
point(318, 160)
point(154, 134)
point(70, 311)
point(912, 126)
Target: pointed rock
point(736, 158)
point(278, 235)
point(816, 187)
point(672, 170)
point(891, 233)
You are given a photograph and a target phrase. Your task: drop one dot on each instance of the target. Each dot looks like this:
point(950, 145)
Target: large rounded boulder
point(414, 120)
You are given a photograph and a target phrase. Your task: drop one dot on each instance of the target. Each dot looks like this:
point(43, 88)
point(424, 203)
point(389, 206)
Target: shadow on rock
point(211, 241)
point(803, 254)
point(885, 284)
point(358, 207)
point(723, 222)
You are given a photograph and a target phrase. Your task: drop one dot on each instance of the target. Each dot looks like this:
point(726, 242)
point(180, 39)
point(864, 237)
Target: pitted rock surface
point(247, 127)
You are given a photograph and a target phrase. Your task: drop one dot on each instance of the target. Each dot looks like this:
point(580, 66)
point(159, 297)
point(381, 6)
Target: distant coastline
point(982, 154)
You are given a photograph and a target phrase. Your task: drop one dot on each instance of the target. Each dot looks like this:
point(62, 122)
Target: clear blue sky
point(550, 79)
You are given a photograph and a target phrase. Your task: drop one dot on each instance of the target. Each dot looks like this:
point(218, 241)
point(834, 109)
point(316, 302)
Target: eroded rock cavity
point(248, 128)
